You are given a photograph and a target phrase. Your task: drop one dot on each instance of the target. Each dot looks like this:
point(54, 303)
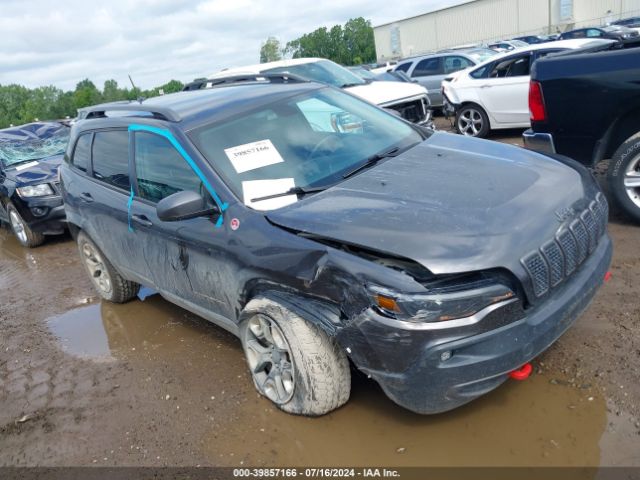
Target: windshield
point(32, 142)
point(305, 141)
point(363, 73)
point(481, 54)
point(519, 43)
point(323, 71)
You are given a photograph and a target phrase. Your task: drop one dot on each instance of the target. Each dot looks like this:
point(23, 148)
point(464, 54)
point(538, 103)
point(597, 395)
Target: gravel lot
point(147, 383)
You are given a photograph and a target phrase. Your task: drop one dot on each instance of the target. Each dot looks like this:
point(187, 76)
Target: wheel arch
point(619, 131)
point(323, 314)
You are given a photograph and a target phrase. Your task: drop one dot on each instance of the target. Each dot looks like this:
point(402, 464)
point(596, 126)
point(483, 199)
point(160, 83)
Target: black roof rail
point(99, 111)
point(280, 77)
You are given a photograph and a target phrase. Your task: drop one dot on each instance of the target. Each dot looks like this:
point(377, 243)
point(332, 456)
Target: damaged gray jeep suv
point(326, 232)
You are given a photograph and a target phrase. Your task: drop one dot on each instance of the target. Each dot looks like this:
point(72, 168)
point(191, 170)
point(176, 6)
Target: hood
point(387, 93)
point(34, 172)
point(453, 204)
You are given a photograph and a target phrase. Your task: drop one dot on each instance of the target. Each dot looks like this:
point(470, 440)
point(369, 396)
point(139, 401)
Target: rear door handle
point(86, 196)
point(142, 220)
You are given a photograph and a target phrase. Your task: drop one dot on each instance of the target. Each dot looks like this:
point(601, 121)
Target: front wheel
point(25, 235)
point(471, 120)
point(294, 363)
point(624, 176)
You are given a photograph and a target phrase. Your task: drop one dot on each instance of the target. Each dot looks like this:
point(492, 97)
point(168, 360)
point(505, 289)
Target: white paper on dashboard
point(261, 188)
point(253, 155)
point(24, 166)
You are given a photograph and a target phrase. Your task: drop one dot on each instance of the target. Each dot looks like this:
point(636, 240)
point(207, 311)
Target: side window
point(544, 53)
point(594, 32)
point(428, 66)
point(453, 64)
point(404, 67)
point(517, 66)
point(111, 158)
point(160, 170)
point(82, 152)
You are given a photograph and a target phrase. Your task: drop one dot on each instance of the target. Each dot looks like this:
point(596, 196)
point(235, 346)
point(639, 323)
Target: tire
point(27, 237)
point(623, 176)
point(472, 120)
point(319, 377)
point(107, 281)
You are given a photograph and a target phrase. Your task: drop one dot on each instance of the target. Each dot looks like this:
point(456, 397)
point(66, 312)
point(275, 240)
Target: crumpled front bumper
point(435, 374)
point(52, 222)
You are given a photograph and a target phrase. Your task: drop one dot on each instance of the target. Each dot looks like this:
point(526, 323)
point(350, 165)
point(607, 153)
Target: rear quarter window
point(82, 152)
point(111, 158)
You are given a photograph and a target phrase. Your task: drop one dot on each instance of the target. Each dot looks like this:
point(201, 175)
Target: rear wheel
point(108, 282)
point(471, 120)
point(22, 231)
point(294, 363)
point(624, 176)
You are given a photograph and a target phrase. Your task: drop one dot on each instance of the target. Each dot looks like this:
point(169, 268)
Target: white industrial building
point(475, 21)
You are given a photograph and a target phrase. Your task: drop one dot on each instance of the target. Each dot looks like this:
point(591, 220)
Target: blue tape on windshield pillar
point(129, 203)
point(169, 136)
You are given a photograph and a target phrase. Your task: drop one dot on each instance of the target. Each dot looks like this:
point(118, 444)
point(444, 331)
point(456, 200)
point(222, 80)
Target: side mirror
point(182, 206)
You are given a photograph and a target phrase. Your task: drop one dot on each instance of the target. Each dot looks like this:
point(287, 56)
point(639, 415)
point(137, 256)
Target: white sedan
point(494, 94)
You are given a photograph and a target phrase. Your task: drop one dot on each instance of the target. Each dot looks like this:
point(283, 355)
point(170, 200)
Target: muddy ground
point(84, 382)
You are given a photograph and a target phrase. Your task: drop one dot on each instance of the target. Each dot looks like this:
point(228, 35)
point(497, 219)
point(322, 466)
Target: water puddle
point(149, 329)
point(522, 423)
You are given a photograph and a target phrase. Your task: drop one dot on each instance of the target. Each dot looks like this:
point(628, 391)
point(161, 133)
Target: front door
point(186, 258)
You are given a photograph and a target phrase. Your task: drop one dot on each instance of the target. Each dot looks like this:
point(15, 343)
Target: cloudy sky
point(47, 42)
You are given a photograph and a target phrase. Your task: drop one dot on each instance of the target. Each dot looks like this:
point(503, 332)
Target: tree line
point(19, 104)
point(348, 44)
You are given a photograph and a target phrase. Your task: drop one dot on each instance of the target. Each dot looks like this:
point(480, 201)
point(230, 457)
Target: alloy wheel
point(97, 268)
point(270, 359)
point(18, 226)
point(470, 122)
point(632, 180)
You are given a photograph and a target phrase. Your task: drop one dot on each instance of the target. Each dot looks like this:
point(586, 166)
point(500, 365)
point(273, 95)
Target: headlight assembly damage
point(448, 305)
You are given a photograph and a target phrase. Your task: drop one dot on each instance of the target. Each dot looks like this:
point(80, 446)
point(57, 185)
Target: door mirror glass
point(184, 205)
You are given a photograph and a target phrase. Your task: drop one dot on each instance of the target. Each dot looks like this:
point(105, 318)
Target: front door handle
point(142, 220)
point(86, 196)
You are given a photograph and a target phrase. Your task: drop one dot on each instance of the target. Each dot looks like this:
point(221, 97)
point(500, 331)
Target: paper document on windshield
point(253, 155)
point(261, 188)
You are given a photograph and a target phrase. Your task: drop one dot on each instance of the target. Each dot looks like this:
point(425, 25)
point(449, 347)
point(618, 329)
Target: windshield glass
point(305, 141)
point(481, 54)
point(323, 71)
point(32, 142)
point(519, 43)
point(363, 73)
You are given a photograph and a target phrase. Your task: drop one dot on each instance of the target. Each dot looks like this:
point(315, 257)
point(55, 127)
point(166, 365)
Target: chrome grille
point(559, 258)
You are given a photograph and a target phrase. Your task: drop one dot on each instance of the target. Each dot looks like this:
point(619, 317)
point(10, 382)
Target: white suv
point(409, 100)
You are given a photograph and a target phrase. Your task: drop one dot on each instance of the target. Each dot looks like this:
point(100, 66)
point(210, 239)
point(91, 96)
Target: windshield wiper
point(292, 191)
point(372, 160)
point(349, 85)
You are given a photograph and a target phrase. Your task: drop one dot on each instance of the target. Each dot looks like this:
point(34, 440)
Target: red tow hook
point(522, 373)
point(608, 276)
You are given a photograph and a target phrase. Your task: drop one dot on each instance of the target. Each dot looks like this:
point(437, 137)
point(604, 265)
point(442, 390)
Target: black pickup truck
point(586, 105)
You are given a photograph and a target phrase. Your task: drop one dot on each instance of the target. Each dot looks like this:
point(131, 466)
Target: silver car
point(429, 70)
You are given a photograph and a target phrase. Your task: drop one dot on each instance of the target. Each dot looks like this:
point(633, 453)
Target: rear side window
point(161, 170)
point(428, 66)
point(454, 64)
point(82, 153)
point(111, 158)
point(404, 67)
point(516, 66)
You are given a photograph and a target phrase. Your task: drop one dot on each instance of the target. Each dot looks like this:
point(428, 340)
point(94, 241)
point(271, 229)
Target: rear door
point(429, 72)
point(504, 93)
point(103, 194)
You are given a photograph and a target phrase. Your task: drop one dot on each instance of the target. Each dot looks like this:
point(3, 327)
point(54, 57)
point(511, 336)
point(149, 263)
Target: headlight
point(443, 303)
point(41, 190)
